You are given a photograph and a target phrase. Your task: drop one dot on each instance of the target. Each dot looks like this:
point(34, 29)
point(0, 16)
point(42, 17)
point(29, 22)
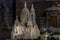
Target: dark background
point(4, 30)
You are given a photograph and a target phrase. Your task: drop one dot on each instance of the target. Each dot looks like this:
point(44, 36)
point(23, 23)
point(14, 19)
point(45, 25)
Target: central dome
point(25, 11)
point(24, 14)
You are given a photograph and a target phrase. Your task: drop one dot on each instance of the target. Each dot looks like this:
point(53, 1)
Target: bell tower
point(33, 16)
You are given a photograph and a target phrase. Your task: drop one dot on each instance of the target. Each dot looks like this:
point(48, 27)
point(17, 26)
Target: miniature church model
point(27, 27)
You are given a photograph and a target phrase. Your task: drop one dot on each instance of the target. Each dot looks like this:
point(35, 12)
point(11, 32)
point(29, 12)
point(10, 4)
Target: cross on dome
point(32, 8)
point(25, 4)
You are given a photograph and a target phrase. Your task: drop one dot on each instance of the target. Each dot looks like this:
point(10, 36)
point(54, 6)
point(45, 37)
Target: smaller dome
point(32, 8)
point(16, 21)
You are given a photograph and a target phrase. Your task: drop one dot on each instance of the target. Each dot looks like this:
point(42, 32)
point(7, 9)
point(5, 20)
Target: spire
point(25, 4)
point(32, 8)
